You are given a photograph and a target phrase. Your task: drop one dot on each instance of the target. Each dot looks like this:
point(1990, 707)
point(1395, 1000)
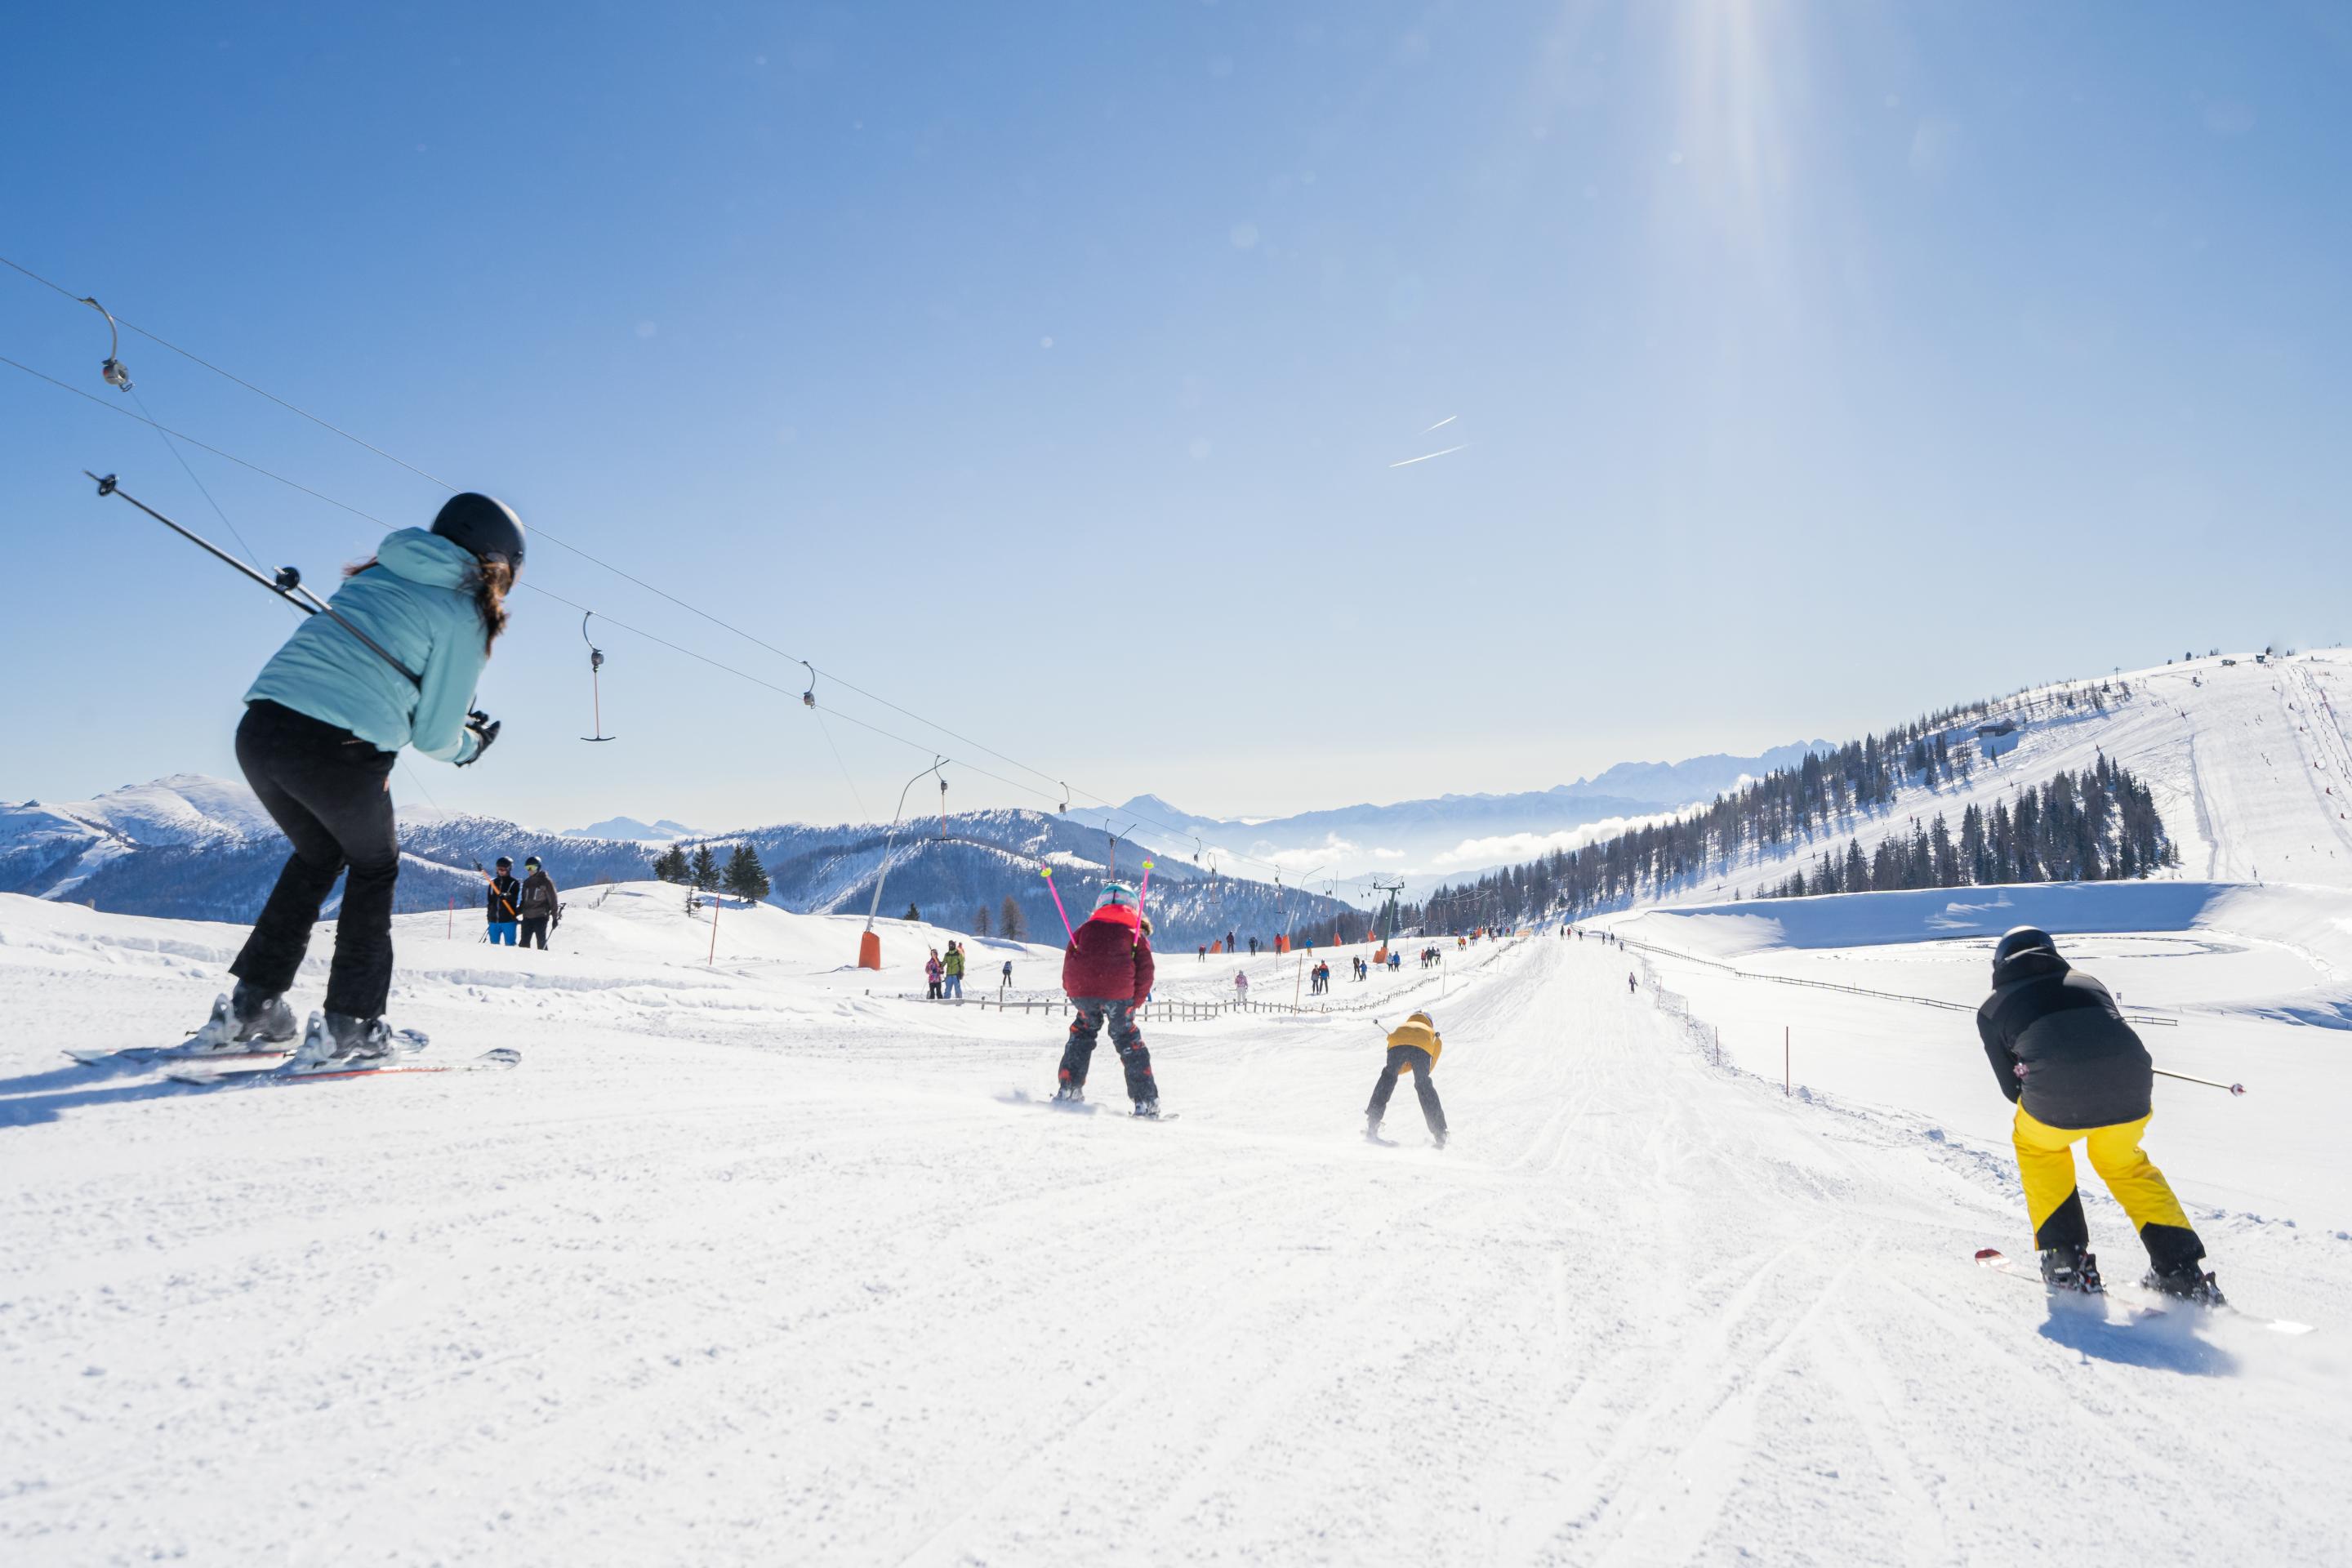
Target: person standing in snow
point(2078, 1074)
point(1241, 985)
point(1008, 975)
point(951, 972)
point(540, 908)
point(933, 971)
point(393, 665)
point(1414, 1047)
point(504, 904)
point(1108, 973)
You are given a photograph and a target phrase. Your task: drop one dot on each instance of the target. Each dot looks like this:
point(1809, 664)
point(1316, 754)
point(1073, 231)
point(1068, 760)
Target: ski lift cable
point(191, 440)
point(566, 545)
point(181, 458)
point(229, 375)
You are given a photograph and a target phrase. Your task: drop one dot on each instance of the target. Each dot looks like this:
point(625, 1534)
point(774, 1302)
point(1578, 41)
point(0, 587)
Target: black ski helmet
point(2022, 940)
point(487, 527)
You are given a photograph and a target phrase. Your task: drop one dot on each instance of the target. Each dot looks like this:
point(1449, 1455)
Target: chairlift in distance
point(595, 681)
point(808, 698)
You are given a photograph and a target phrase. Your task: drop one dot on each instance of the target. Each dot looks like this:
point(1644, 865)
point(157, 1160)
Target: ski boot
point(337, 1042)
point(2186, 1283)
point(1372, 1128)
point(1440, 1136)
point(1147, 1109)
point(1070, 1094)
point(2071, 1268)
point(240, 1022)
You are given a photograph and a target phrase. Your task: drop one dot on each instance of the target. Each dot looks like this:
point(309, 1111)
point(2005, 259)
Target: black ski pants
point(1414, 1058)
point(534, 929)
point(1086, 1026)
point(331, 794)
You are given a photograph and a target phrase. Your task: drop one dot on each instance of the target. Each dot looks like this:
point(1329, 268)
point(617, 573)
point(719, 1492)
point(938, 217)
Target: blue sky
point(1040, 369)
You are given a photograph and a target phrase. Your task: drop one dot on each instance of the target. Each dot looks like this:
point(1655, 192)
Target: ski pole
point(287, 585)
point(2207, 1082)
point(1145, 892)
point(1048, 875)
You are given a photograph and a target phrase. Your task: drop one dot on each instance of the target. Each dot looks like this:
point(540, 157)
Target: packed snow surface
point(744, 1264)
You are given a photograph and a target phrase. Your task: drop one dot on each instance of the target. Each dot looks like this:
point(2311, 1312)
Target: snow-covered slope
point(745, 1264)
point(2248, 762)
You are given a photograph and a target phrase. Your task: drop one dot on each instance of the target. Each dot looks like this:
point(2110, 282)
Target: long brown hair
point(491, 581)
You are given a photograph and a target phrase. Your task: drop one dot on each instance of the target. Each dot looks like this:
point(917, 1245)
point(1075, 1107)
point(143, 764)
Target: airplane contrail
point(1443, 423)
point(1425, 457)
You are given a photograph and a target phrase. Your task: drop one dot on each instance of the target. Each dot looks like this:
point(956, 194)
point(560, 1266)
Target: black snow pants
point(1401, 1058)
point(331, 794)
point(1087, 1025)
point(534, 929)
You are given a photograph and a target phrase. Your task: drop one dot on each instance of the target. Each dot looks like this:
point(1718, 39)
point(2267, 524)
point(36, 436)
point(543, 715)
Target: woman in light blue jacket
point(392, 664)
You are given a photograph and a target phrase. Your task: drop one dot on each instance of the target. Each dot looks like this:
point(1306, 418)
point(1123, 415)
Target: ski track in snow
point(794, 1286)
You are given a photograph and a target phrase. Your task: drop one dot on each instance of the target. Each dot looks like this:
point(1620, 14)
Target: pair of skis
point(1992, 1257)
point(273, 1064)
point(1076, 1107)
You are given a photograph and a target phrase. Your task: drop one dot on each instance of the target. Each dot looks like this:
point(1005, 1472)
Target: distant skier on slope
point(2078, 1074)
point(324, 721)
point(1107, 972)
point(1414, 1047)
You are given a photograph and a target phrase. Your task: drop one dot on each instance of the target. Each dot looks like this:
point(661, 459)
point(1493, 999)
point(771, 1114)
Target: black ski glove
point(485, 729)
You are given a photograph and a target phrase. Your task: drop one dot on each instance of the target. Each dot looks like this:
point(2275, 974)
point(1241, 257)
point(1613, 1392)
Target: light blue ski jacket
point(419, 603)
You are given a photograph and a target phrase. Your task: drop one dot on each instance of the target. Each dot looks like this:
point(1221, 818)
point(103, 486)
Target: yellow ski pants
point(2045, 1161)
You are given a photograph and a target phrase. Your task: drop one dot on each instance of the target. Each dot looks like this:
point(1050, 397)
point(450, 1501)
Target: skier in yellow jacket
point(1415, 1046)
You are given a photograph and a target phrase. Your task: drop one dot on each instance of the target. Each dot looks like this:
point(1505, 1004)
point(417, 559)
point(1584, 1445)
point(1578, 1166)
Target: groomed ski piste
point(750, 1260)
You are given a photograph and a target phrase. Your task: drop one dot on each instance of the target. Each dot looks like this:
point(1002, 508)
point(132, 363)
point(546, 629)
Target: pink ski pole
point(1144, 891)
point(1048, 875)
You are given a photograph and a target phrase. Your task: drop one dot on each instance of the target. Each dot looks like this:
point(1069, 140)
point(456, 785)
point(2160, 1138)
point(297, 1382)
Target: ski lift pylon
point(595, 680)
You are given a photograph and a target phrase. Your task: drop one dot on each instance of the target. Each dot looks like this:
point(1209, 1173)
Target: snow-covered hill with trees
point(2244, 759)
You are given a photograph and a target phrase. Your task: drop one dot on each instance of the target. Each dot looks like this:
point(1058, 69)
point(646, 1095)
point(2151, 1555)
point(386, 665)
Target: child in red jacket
point(1107, 970)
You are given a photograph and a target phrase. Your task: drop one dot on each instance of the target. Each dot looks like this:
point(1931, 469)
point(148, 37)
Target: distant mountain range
point(193, 847)
point(202, 849)
point(1452, 835)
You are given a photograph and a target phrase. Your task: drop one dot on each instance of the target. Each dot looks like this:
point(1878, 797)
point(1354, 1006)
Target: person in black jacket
point(504, 902)
point(2078, 1074)
point(540, 907)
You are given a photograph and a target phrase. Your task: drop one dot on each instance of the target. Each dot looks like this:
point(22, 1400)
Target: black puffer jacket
point(2084, 1067)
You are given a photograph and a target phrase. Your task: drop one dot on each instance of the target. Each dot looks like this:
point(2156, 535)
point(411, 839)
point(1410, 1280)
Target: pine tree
point(1008, 919)
point(704, 872)
point(979, 921)
point(746, 878)
point(669, 866)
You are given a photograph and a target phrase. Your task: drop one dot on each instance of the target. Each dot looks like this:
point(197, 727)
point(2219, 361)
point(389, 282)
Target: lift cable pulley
point(111, 368)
